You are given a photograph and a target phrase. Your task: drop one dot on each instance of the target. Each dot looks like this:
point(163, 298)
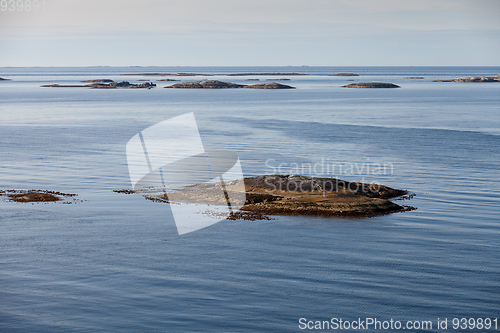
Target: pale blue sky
point(253, 32)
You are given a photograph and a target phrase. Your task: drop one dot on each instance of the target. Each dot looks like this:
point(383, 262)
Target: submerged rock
point(371, 85)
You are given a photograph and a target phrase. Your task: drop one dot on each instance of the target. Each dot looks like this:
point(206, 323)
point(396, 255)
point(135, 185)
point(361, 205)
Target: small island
point(269, 85)
point(371, 85)
point(493, 78)
point(167, 80)
point(268, 74)
point(414, 78)
point(168, 74)
point(2, 79)
point(344, 74)
point(278, 79)
point(34, 196)
point(292, 195)
point(99, 80)
point(214, 84)
point(205, 84)
point(112, 85)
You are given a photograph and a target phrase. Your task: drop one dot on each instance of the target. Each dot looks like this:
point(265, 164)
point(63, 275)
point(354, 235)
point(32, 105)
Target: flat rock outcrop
point(371, 85)
point(112, 85)
point(205, 84)
point(99, 80)
point(493, 78)
point(269, 85)
point(280, 74)
point(34, 196)
point(214, 84)
point(344, 74)
point(168, 74)
point(3, 79)
point(298, 195)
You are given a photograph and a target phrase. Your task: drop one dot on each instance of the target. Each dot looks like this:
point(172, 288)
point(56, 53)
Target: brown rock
point(371, 85)
point(344, 74)
point(269, 85)
point(205, 84)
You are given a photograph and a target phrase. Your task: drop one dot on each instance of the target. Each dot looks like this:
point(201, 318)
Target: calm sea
point(116, 263)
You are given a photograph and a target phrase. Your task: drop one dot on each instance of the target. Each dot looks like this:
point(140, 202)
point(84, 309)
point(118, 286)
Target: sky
point(251, 33)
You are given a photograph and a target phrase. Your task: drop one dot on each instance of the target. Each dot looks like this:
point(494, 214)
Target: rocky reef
point(168, 74)
point(99, 80)
point(205, 84)
point(168, 80)
point(38, 196)
point(371, 85)
point(112, 85)
point(293, 195)
point(330, 197)
point(280, 74)
point(344, 74)
point(494, 78)
point(278, 79)
point(214, 84)
point(269, 85)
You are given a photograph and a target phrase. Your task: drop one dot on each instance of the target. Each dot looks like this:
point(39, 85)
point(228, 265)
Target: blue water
point(116, 263)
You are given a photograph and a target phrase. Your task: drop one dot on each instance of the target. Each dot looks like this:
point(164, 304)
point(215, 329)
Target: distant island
point(214, 84)
point(167, 80)
point(2, 79)
point(344, 74)
point(112, 85)
point(168, 74)
point(203, 74)
point(205, 84)
point(414, 78)
point(269, 85)
point(371, 85)
point(494, 78)
point(99, 80)
point(280, 74)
